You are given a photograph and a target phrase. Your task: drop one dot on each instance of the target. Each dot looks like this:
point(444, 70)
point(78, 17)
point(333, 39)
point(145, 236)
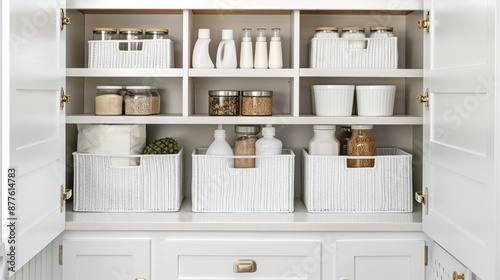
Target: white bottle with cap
point(268, 145)
point(201, 56)
point(220, 146)
point(246, 50)
point(261, 60)
point(275, 52)
point(324, 141)
point(226, 52)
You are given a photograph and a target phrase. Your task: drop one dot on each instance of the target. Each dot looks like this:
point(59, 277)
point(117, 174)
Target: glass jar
point(155, 102)
point(156, 33)
point(130, 34)
point(361, 143)
point(138, 101)
point(326, 32)
point(104, 33)
point(381, 32)
point(244, 145)
point(257, 103)
point(223, 103)
point(343, 138)
point(108, 101)
point(355, 35)
point(323, 141)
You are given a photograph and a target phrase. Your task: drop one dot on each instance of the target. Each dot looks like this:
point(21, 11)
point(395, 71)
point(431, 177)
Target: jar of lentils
point(138, 101)
point(256, 103)
point(223, 103)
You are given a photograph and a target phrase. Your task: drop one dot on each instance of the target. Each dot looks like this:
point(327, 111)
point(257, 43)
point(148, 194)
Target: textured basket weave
point(154, 54)
point(329, 186)
point(380, 53)
point(154, 185)
point(217, 187)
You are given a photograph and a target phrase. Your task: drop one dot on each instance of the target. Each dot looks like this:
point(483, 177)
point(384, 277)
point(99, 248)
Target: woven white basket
point(153, 185)
point(380, 53)
point(217, 187)
point(330, 186)
point(153, 54)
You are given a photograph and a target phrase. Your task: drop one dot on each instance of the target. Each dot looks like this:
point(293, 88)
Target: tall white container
point(261, 60)
point(275, 52)
point(201, 56)
point(226, 52)
point(268, 145)
point(246, 50)
point(220, 146)
point(324, 141)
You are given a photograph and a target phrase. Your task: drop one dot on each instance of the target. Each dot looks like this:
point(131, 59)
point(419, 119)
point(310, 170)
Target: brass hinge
point(65, 195)
point(426, 255)
point(425, 23)
point(64, 20)
point(424, 99)
point(65, 98)
point(60, 254)
point(423, 198)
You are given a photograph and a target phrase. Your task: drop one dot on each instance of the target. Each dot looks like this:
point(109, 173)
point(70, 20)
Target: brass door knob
point(456, 276)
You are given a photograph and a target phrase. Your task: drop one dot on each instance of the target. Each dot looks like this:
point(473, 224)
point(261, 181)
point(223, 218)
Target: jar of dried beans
point(223, 103)
point(155, 102)
point(108, 101)
point(138, 100)
point(257, 103)
point(244, 145)
point(361, 143)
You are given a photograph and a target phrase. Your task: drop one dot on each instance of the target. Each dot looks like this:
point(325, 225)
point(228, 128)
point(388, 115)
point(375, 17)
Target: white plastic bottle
point(220, 146)
point(226, 52)
point(268, 145)
point(261, 60)
point(246, 50)
point(275, 52)
point(201, 56)
point(324, 141)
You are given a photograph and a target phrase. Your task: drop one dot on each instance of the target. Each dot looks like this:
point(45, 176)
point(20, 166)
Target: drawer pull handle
point(244, 266)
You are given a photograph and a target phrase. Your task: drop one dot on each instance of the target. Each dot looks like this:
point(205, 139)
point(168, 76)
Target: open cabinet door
point(459, 132)
point(33, 135)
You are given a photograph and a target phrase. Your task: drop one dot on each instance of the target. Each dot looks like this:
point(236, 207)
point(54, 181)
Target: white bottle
point(261, 60)
point(201, 56)
point(268, 145)
point(220, 146)
point(324, 141)
point(226, 52)
point(246, 51)
point(275, 52)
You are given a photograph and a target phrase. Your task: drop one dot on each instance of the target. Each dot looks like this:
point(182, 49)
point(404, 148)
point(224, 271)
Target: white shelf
point(125, 72)
point(377, 73)
point(300, 220)
point(275, 119)
point(257, 73)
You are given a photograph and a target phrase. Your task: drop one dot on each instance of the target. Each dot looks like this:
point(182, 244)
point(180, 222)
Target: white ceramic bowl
point(375, 101)
point(332, 100)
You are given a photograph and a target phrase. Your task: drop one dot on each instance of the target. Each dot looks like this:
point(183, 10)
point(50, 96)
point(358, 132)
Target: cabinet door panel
point(106, 259)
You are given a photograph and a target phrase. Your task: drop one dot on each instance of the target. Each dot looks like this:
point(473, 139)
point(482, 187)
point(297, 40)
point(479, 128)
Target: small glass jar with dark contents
point(223, 103)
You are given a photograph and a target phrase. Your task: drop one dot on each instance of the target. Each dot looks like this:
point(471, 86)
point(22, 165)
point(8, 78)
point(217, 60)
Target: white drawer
point(209, 259)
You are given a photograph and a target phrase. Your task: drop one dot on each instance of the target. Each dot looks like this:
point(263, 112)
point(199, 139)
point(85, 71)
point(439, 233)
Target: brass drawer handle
point(244, 266)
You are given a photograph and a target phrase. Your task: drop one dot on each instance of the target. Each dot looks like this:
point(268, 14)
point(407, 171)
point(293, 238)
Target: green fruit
point(165, 145)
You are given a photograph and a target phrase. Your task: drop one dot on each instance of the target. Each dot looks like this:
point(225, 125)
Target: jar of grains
point(223, 103)
point(155, 102)
point(381, 32)
point(361, 143)
point(156, 33)
point(355, 35)
point(244, 145)
point(256, 103)
point(104, 33)
point(108, 101)
point(130, 34)
point(138, 101)
point(326, 32)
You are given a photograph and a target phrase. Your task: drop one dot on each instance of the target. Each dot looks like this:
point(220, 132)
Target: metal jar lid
point(257, 93)
point(386, 28)
point(137, 87)
point(327, 28)
point(247, 129)
point(353, 28)
point(109, 87)
point(104, 29)
point(130, 30)
point(223, 93)
point(156, 30)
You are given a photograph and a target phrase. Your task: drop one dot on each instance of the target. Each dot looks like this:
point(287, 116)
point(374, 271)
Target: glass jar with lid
point(130, 34)
point(326, 32)
point(155, 102)
point(361, 143)
point(257, 103)
point(104, 33)
point(138, 100)
point(355, 35)
point(223, 102)
point(108, 101)
point(156, 33)
point(244, 145)
point(381, 32)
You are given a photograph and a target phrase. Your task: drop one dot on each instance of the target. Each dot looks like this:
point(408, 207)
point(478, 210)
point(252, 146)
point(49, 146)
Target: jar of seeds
point(138, 101)
point(155, 102)
point(108, 101)
point(244, 145)
point(361, 143)
point(257, 103)
point(223, 103)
